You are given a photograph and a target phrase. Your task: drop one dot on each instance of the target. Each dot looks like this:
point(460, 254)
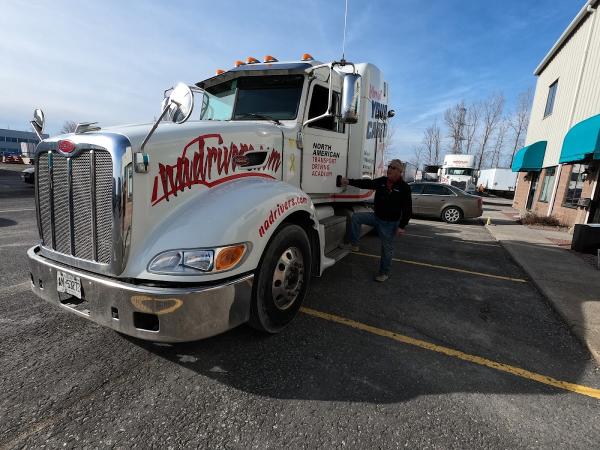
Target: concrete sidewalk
point(570, 284)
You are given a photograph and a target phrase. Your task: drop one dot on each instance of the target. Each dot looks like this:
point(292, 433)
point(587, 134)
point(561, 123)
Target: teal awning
point(581, 141)
point(530, 158)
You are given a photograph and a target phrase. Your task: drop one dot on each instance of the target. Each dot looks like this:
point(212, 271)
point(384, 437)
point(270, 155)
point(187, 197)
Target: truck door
point(325, 144)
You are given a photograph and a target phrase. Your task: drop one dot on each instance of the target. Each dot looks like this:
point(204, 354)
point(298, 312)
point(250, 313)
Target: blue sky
point(110, 61)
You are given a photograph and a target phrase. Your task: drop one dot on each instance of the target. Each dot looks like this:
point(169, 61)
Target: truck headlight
point(190, 262)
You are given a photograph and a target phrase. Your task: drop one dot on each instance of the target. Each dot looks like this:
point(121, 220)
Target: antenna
point(344, 42)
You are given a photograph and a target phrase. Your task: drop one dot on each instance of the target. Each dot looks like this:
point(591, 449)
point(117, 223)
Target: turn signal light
point(229, 257)
point(251, 60)
point(219, 72)
point(270, 59)
point(239, 63)
point(307, 57)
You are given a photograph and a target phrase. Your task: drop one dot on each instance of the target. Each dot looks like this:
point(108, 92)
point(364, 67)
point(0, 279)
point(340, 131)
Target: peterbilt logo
point(66, 146)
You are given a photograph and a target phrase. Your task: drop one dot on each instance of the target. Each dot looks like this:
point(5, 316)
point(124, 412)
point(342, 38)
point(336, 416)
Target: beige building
point(560, 162)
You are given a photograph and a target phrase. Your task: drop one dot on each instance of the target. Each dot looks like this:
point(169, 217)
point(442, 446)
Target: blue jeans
point(386, 231)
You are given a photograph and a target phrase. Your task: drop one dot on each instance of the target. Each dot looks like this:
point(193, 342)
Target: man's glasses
point(394, 167)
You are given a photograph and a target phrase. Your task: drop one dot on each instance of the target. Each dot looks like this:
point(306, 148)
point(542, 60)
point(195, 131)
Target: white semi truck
point(218, 213)
point(459, 171)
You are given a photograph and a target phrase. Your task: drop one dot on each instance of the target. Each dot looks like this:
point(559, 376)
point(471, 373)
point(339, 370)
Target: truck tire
point(282, 280)
point(452, 214)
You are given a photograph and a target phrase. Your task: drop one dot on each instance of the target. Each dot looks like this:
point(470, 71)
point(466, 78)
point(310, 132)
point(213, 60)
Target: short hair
point(398, 162)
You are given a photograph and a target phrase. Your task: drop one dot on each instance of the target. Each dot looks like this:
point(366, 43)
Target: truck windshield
point(275, 97)
point(460, 171)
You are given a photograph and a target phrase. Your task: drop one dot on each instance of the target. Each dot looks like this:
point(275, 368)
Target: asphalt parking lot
point(456, 350)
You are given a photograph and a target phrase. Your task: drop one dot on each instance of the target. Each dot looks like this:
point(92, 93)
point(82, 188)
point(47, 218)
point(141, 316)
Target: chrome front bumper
point(154, 313)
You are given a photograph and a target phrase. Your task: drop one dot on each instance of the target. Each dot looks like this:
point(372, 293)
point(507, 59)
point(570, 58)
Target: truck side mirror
point(350, 98)
point(180, 103)
point(38, 123)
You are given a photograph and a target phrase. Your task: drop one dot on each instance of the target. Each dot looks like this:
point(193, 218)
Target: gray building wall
point(10, 140)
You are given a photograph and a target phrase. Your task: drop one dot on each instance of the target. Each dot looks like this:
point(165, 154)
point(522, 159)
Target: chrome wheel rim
point(288, 278)
point(452, 215)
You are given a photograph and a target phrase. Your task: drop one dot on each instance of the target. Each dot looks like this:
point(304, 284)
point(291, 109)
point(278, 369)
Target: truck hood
point(168, 132)
point(191, 165)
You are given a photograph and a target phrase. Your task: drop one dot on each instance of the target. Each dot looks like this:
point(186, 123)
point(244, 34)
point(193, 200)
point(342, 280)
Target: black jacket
point(393, 205)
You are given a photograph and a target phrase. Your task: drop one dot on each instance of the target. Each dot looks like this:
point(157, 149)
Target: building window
point(547, 184)
point(550, 99)
point(575, 186)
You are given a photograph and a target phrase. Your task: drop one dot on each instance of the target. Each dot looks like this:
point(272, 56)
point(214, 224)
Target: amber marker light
point(270, 59)
point(228, 257)
point(219, 72)
point(307, 57)
point(239, 63)
point(251, 60)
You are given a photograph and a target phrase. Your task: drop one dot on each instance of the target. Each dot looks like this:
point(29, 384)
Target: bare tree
point(499, 143)
point(432, 144)
point(454, 118)
point(68, 127)
point(491, 115)
point(519, 120)
point(417, 158)
point(472, 126)
point(388, 140)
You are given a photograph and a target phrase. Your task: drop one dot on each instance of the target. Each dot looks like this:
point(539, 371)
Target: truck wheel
point(282, 280)
point(452, 214)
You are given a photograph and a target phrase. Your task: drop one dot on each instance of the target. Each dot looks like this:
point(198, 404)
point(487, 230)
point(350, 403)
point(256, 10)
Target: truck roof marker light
point(239, 63)
point(251, 60)
point(228, 257)
point(270, 59)
point(307, 57)
point(219, 72)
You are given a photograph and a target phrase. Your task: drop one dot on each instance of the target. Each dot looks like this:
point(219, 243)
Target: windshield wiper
point(259, 116)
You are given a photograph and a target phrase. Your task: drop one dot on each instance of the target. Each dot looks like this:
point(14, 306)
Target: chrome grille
point(104, 195)
point(459, 184)
point(75, 204)
point(62, 228)
point(43, 181)
point(82, 210)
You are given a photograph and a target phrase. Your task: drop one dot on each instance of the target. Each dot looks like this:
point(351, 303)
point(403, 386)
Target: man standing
point(393, 208)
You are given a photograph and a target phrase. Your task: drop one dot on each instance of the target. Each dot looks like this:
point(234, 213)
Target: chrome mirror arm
point(153, 129)
point(34, 125)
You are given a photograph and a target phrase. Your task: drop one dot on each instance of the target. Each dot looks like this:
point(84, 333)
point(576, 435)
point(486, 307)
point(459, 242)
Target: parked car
point(13, 159)
point(28, 175)
point(444, 201)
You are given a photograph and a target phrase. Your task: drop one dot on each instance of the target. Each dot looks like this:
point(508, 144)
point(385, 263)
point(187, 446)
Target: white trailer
point(184, 228)
point(498, 181)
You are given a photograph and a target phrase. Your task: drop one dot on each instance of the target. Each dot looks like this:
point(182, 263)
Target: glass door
point(532, 188)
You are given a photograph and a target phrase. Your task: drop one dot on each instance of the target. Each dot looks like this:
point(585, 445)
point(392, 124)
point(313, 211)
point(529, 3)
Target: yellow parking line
point(452, 269)
point(517, 371)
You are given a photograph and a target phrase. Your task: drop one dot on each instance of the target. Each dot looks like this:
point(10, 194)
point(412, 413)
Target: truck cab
point(219, 212)
point(459, 171)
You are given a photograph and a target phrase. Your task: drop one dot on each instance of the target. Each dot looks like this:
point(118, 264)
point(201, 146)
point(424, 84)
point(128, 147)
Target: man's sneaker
point(382, 277)
point(351, 247)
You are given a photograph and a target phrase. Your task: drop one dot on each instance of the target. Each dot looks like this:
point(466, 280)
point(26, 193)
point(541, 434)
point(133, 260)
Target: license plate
point(70, 284)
